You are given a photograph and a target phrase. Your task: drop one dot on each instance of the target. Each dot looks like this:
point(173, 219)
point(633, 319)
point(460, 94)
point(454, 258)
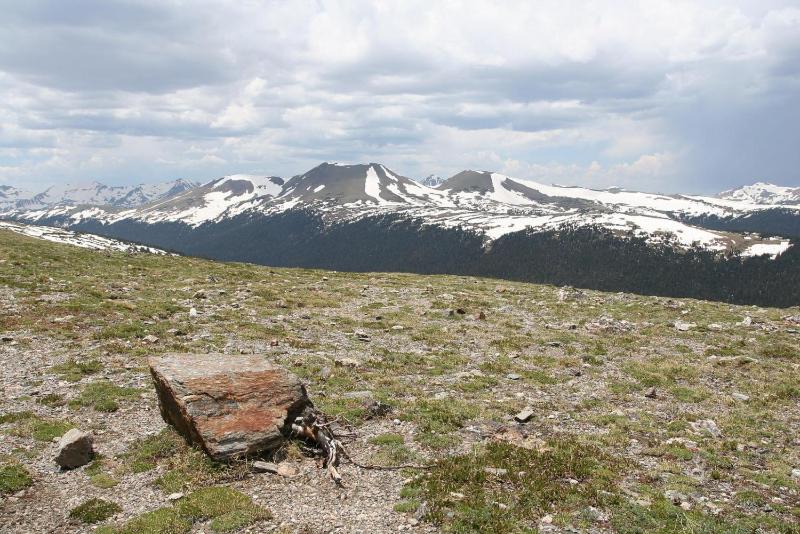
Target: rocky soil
point(695, 404)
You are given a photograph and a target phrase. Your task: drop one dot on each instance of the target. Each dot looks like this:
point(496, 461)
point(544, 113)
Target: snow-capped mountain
point(10, 196)
point(96, 194)
point(763, 193)
point(490, 204)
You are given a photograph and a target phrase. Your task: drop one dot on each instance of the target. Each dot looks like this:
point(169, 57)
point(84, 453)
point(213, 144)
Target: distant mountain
point(96, 194)
point(10, 197)
point(376, 216)
point(763, 193)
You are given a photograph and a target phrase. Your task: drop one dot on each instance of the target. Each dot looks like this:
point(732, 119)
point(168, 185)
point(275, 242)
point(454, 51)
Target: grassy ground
point(711, 448)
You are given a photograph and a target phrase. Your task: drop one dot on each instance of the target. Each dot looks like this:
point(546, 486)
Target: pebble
point(524, 416)
point(513, 376)
point(740, 396)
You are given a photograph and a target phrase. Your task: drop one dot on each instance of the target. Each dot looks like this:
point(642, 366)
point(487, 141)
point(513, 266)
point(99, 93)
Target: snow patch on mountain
point(763, 194)
point(90, 241)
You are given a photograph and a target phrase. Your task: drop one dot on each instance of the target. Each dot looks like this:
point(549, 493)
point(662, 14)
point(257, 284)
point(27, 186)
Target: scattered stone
point(361, 336)
point(796, 474)
point(324, 278)
point(286, 470)
point(174, 496)
point(740, 396)
point(524, 416)
point(651, 393)
point(231, 406)
point(495, 471)
point(150, 339)
point(684, 327)
point(482, 316)
point(273, 342)
point(398, 327)
point(706, 425)
point(346, 362)
point(192, 312)
point(461, 311)
point(6, 339)
point(281, 304)
point(747, 321)
point(609, 324)
point(199, 294)
point(513, 376)
point(792, 319)
point(260, 466)
point(75, 448)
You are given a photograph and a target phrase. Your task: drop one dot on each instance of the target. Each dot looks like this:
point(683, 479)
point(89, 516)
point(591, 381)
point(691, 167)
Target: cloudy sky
point(651, 95)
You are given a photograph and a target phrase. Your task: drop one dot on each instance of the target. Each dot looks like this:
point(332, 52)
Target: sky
point(663, 96)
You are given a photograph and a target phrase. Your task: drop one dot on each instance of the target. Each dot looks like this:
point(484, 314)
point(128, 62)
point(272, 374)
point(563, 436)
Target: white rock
point(740, 396)
point(192, 312)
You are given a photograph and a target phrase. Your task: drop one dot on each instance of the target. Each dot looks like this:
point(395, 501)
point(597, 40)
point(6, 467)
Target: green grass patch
point(73, 370)
point(13, 478)
point(30, 425)
point(102, 395)
point(144, 454)
point(566, 476)
point(94, 511)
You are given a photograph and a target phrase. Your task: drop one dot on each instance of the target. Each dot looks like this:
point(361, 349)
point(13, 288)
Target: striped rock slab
point(231, 406)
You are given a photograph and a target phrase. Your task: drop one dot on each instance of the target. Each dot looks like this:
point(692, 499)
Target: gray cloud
point(663, 95)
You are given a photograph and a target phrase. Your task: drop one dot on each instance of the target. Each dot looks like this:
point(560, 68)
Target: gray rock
point(524, 416)
point(651, 393)
point(740, 396)
point(264, 467)
point(706, 425)
point(75, 448)
point(513, 376)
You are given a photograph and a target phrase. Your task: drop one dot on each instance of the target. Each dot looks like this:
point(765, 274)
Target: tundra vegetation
point(649, 414)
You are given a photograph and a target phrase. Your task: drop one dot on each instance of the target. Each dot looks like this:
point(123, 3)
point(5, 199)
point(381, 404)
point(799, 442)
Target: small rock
point(513, 376)
point(524, 416)
point(481, 316)
point(796, 474)
point(461, 311)
point(495, 471)
point(192, 312)
point(6, 339)
point(150, 339)
point(273, 342)
point(740, 396)
point(706, 425)
point(683, 327)
point(174, 496)
point(747, 321)
point(75, 448)
point(324, 278)
point(346, 362)
point(199, 294)
point(260, 466)
point(651, 393)
point(325, 373)
point(398, 327)
point(361, 336)
point(553, 343)
point(286, 470)
point(281, 304)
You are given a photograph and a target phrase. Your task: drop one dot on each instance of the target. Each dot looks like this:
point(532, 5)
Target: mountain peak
point(764, 193)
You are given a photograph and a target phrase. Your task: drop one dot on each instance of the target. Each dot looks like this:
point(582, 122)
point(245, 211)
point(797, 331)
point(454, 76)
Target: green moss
point(73, 370)
point(102, 395)
point(30, 425)
point(13, 478)
point(52, 400)
point(103, 480)
point(166, 520)
point(94, 511)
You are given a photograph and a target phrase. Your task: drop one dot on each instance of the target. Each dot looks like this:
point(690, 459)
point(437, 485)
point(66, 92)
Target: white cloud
point(595, 93)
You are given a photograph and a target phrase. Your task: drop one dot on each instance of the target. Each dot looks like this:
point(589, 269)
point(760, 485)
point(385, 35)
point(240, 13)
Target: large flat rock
point(230, 405)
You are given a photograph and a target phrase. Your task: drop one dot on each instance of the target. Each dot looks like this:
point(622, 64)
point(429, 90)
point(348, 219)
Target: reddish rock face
point(230, 405)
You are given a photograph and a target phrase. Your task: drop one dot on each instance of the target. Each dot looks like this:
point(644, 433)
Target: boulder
point(230, 405)
point(75, 448)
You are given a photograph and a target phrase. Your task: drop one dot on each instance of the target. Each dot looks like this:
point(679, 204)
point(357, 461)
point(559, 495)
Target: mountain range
point(368, 217)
